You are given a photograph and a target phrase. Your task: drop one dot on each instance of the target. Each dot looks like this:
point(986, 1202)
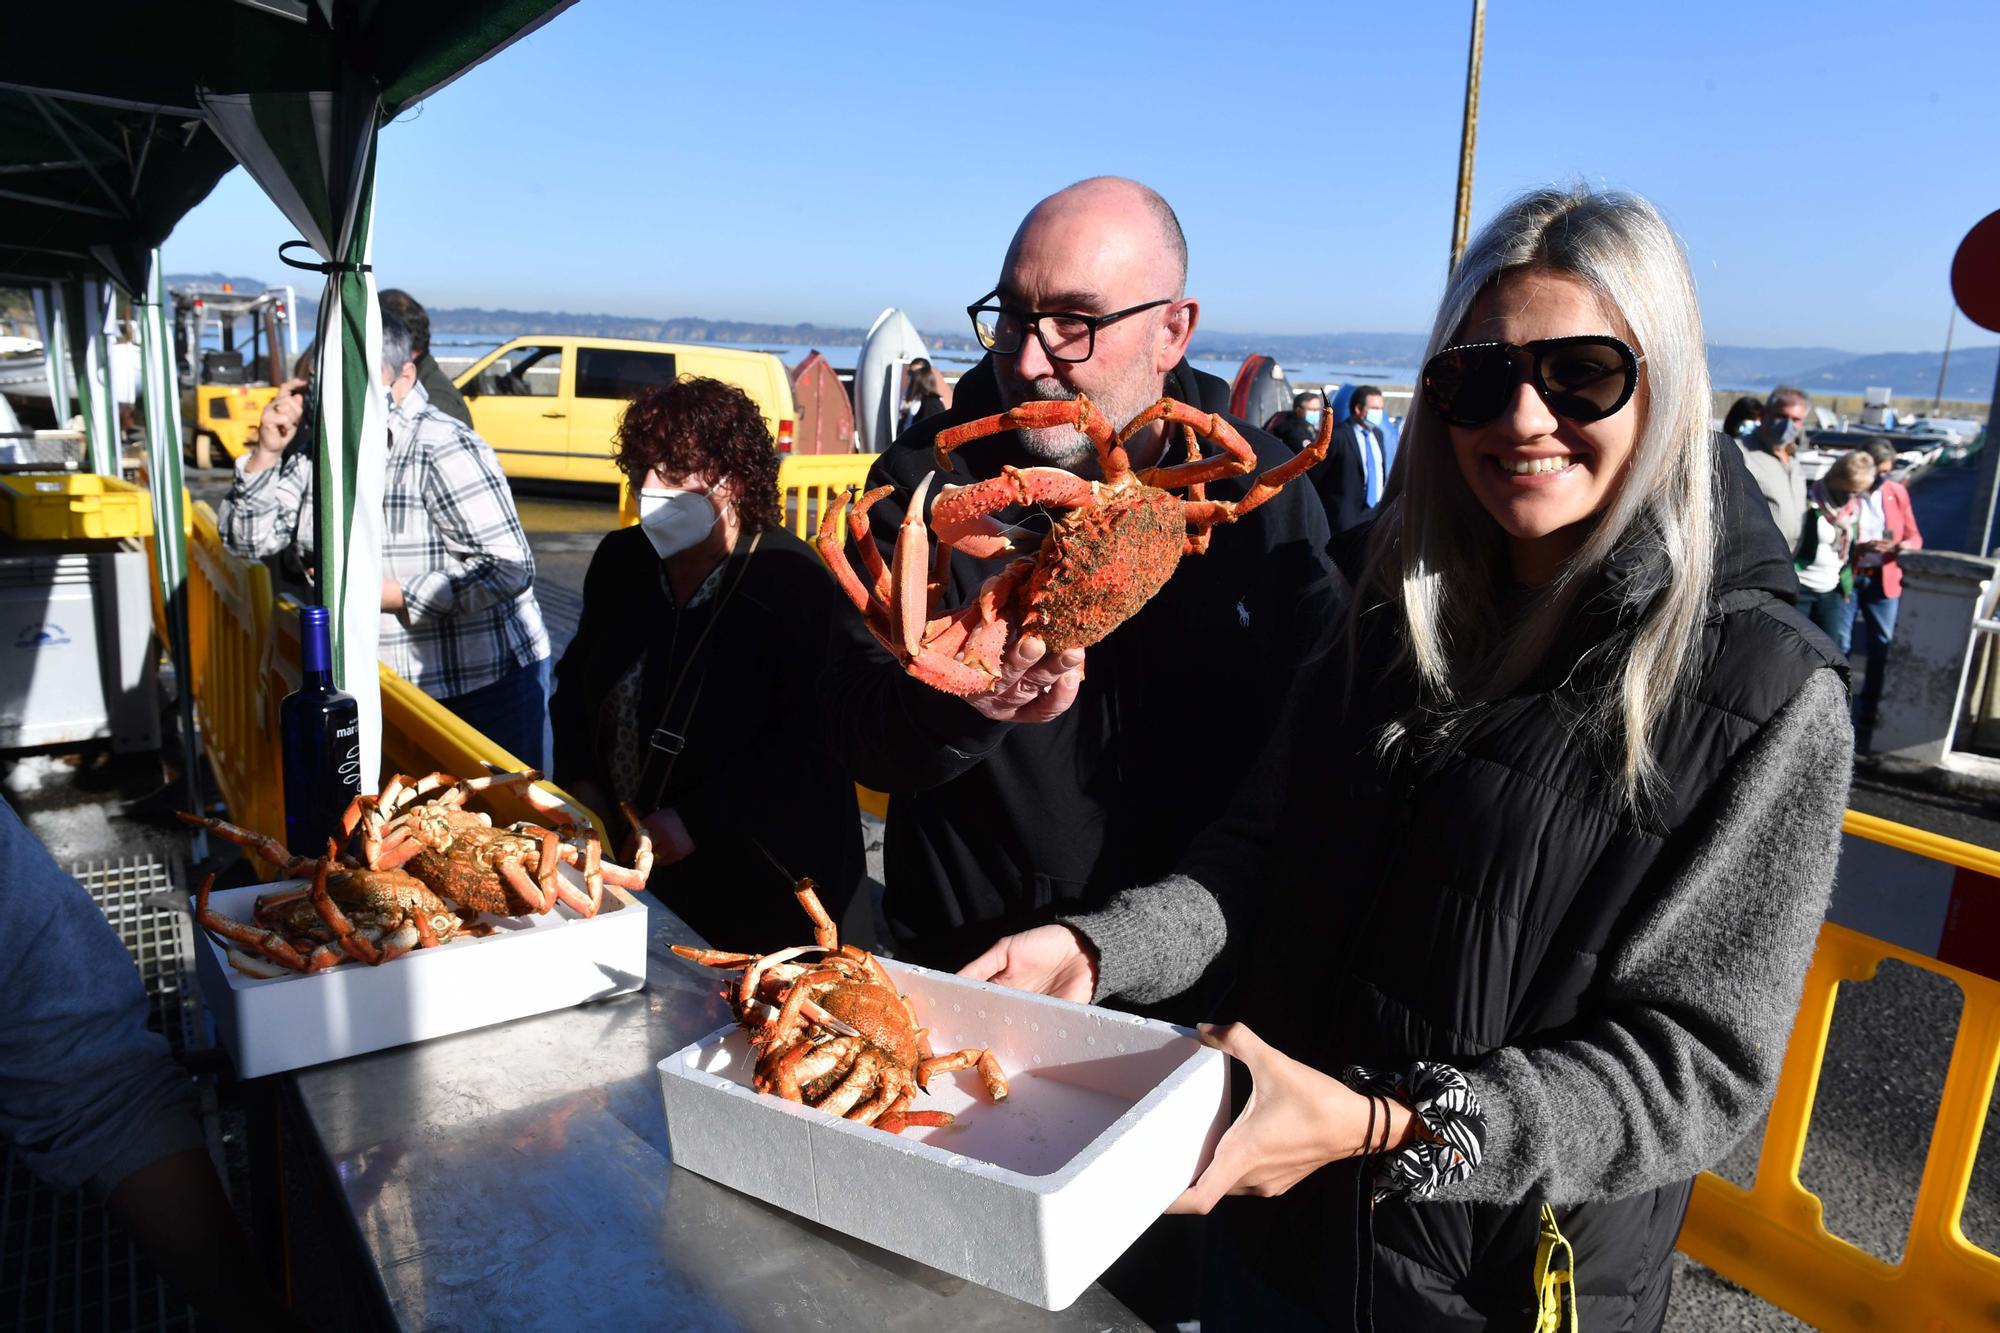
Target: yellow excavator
point(233, 350)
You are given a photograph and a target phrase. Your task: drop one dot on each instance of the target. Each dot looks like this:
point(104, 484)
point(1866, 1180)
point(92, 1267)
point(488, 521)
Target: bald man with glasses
point(1074, 779)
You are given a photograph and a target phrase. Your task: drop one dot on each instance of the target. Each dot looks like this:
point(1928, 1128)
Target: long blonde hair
point(1437, 554)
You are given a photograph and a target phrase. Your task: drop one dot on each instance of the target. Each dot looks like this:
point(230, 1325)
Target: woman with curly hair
point(687, 693)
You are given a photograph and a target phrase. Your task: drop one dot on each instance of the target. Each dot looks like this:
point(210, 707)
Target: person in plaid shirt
point(459, 618)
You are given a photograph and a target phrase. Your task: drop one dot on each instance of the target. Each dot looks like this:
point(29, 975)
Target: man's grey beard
point(1065, 446)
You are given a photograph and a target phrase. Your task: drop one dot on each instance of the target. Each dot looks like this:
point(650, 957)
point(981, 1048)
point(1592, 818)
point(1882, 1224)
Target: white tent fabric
point(95, 395)
point(162, 399)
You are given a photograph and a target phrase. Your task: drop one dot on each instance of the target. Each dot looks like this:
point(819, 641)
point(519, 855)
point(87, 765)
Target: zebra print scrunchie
point(1454, 1135)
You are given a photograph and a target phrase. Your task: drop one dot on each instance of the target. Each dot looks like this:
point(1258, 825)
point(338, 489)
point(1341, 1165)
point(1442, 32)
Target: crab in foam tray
point(424, 868)
point(1114, 542)
point(831, 1030)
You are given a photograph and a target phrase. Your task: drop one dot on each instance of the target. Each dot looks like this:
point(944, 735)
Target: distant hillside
point(1753, 368)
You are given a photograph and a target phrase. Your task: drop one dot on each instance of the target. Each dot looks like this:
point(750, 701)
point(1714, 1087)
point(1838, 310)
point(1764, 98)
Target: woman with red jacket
point(1888, 528)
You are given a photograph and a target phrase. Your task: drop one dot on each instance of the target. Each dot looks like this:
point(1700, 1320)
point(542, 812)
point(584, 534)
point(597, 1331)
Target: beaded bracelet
point(1451, 1129)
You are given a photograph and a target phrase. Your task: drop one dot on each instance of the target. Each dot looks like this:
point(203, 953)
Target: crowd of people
point(1845, 530)
point(1488, 784)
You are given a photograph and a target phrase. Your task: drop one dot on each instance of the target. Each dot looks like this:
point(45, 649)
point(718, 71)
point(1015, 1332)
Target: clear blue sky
point(816, 163)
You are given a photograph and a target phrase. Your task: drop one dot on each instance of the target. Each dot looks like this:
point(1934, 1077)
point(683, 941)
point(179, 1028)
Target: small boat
point(1260, 391)
point(892, 343)
point(826, 419)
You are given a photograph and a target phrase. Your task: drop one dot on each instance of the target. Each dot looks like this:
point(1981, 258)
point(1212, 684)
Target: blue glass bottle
point(320, 736)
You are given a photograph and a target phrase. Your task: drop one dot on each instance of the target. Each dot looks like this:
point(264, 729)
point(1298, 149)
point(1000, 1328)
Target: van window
point(604, 372)
point(534, 372)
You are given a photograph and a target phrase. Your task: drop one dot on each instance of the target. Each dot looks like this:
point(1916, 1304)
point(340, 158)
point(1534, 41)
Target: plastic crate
point(58, 506)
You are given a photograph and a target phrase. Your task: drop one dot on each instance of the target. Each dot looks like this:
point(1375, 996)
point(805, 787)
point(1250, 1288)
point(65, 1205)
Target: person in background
point(1744, 414)
point(1887, 527)
point(1351, 478)
point(1007, 806)
point(1060, 787)
point(1525, 889)
point(1300, 426)
point(1771, 452)
point(443, 394)
point(688, 693)
point(89, 1097)
point(920, 395)
point(1828, 546)
point(459, 617)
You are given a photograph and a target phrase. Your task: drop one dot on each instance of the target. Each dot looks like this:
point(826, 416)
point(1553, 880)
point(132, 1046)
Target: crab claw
point(911, 571)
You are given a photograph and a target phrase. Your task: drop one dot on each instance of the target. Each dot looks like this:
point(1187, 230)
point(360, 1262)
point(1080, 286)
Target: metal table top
point(519, 1177)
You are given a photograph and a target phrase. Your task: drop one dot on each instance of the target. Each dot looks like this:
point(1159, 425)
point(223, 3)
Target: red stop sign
point(1975, 273)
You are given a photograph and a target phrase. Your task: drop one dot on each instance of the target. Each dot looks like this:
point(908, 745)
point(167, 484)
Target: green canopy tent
point(118, 117)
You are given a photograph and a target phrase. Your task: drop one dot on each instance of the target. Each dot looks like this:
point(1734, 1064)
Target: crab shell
point(1099, 565)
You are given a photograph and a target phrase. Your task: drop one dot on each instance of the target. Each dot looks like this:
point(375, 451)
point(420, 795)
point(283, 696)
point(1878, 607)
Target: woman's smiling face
point(1544, 478)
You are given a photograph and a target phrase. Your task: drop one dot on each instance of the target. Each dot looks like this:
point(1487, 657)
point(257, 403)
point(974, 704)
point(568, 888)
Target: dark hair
point(1304, 396)
point(702, 425)
point(1743, 409)
point(923, 382)
point(1359, 398)
point(404, 307)
point(1881, 450)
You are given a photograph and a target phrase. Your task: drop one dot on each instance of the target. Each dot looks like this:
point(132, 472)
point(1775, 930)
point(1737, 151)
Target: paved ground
point(1890, 1036)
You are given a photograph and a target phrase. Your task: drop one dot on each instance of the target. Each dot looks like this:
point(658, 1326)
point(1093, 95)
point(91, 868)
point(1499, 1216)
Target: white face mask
point(1376, 416)
point(674, 520)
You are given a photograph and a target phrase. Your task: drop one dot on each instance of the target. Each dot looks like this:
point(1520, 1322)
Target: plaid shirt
point(452, 539)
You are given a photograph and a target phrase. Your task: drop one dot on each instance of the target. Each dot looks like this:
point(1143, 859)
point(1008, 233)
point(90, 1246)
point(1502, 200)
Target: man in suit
point(1351, 478)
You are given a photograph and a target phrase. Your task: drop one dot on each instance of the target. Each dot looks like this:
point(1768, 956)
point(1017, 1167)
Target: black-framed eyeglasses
point(1582, 379)
point(1064, 334)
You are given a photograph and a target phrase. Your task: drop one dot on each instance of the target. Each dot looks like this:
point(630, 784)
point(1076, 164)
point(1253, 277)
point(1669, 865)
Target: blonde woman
point(1522, 914)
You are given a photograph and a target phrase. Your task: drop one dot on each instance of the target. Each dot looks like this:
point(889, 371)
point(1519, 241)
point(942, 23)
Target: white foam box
point(1109, 1117)
point(529, 965)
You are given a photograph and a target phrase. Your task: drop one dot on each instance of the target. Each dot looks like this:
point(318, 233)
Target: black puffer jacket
point(1460, 898)
point(994, 826)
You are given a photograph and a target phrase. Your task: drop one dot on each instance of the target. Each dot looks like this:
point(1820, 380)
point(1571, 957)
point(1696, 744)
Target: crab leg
point(267, 849)
point(1079, 412)
point(824, 932)
point(266, 942)
point(909, 604)
point(1236, 459)
point(806, 1063)
point(642, 863)
point(517, 880)
point(345, 935)
point(989, 1070)
point(862, 1080)
point(1208, 513)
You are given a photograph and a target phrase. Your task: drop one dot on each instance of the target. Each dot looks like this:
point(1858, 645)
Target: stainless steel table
point(519, 1177)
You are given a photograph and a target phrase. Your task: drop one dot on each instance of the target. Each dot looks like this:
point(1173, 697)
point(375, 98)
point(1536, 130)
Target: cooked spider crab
point(1113, 545)
point(422, 824)
point(348, 912)
point(835, 1033)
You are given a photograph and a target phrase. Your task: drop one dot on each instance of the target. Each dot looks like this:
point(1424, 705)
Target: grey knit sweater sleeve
point(1682, 1053)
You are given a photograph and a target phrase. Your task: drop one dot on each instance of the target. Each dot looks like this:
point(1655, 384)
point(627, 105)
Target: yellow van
point(549, 405)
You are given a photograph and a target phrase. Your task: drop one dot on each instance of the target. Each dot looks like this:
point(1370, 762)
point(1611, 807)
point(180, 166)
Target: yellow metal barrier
point(809, 482)
point(244, 652)
point(1942, 898)
point(229, 615)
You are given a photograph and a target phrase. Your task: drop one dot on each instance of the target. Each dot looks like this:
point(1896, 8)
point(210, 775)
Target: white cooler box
point(1109, 1118)
point(77, 660)
point(529, 965)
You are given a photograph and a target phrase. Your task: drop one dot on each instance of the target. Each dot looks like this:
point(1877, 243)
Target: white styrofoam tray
point(529, 965)
point(1109, 1117)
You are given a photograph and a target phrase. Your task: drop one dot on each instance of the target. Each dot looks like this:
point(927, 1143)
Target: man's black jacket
point(996, 826)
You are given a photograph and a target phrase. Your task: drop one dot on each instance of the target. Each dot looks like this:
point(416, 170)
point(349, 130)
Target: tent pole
point(52, 313)
point(163, 470)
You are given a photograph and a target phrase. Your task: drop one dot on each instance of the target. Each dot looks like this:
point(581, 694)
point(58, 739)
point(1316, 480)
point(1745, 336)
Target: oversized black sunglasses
point(1583, 379)
point(1064, 335)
